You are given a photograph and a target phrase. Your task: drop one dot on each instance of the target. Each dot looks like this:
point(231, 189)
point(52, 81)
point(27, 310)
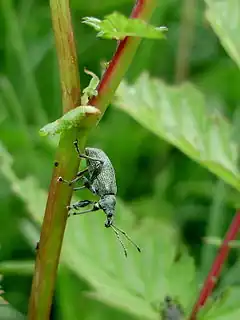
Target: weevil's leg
point(96, 171)
point(127, 237)
point(80, 204)
point(79, 188)
point(94, 208)
point(78, 176)
point(60, 179)
point(81, 155)
point(120, 240)
point(87, 184)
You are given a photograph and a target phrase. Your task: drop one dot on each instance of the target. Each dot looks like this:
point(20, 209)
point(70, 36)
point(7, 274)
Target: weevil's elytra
point(102, 174)
point(100, 181)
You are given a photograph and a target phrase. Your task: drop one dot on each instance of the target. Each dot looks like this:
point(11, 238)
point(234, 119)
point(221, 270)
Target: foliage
point(7, 312)
point(218, 13)
point(116, 26)
point(166, 202)
point(73, 117)
point(180, 116)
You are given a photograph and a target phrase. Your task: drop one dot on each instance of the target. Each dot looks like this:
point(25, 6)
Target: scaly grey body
point(102, 177)
point(102, 182)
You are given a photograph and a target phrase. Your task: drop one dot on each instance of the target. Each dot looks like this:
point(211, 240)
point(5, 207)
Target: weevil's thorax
point(104, 182)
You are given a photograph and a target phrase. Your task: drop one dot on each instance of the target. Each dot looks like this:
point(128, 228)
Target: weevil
point(171, 310)
point(101, 181)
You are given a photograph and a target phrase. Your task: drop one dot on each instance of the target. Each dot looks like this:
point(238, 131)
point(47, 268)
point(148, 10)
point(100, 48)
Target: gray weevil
point(172, 310)
point(101, 182)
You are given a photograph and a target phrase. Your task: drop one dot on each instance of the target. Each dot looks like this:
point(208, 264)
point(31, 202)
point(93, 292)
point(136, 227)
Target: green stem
point(67, 162)
point(66, 165)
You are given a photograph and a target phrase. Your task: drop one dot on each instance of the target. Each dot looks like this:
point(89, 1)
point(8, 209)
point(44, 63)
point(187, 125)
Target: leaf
point(117, 26)
point(179, 116)
point(7, 312)
point(2, 301)
point(224, 16)
point(226, 306)
point(137, 284)
point(19, 267)
point(68, 120)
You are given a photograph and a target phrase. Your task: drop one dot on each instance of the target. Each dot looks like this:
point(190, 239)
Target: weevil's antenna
point(127, 237)
point(120, 240)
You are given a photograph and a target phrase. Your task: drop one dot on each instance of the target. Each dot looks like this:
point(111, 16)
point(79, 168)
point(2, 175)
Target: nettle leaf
point(139, 284)
point(117, 26)
point(226, 306)
point(224, 17)
point(179, 115)
point(2, 300)
point(7, 312)
point(69, 120)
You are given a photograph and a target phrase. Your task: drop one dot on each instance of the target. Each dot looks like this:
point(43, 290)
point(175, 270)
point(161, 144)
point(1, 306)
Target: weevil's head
point(107, 204)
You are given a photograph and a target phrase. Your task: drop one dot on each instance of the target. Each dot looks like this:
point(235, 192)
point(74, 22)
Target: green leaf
point(7, 312)
point(69, 120)
point(179, 115)
point(117, 26)
point(226, 306)
point(224, 17)
point(137, 284)
point(2, 301)
point(17, 267)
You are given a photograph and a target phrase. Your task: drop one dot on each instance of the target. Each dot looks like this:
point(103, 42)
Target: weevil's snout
point(108, 222)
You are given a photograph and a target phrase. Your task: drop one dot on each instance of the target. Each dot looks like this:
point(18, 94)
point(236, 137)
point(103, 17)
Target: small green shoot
point(70, 120)
point(117, 26)
point(74, 117)
point(91, 90)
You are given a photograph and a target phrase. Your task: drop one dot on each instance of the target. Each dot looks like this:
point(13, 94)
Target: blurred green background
point(155, 181)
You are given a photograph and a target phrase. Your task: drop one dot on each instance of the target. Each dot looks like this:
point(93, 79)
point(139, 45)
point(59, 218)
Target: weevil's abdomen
point(105, 181)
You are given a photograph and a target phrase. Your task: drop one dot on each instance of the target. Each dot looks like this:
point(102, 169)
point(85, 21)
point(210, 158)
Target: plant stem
point(122, 58)
point(217, 265)
point(186, 38)
point(66, 165)
point(66, 161)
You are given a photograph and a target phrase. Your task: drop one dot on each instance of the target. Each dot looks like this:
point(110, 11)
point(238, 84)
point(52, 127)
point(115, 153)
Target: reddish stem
point(141, 10)
point(217, 265)
point(136, 12)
